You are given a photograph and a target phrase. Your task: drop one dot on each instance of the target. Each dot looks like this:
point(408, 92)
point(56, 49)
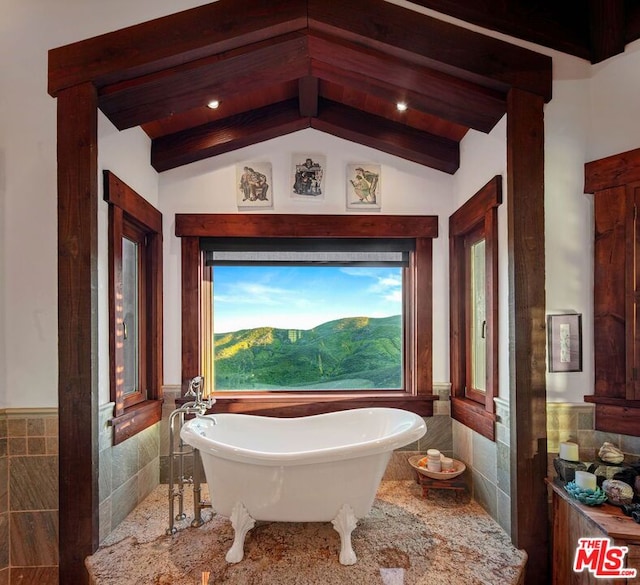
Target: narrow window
point(475, 316)
point(135, 309)
point(473, 266)
point(131, 316)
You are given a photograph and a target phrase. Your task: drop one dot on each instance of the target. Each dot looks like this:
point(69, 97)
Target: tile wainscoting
point(488, 463)
point(29, 496)
point(29, 488)
point(567, 421)
point(128, 473)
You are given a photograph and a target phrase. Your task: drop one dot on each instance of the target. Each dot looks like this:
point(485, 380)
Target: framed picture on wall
point(364, 189)
point(253, 186)
point(307, 176)
point(565, 342)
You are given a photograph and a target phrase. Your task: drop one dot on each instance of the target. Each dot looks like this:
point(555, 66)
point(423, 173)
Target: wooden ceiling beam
point(607, 30)
point(394, 80)
point(388, 136)
point(308, 95)
point(172, 40)
point(632, 21)
point(558, 25)
point(225, 135)
point(434, 44)
point(194, 84)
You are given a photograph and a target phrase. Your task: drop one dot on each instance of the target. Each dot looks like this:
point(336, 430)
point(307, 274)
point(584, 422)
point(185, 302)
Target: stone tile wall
point(4, 502)
point(489, 465)
point(128, 472)
point(29, 488)
point(438, 436)
point(575, 422)
point(29, 497)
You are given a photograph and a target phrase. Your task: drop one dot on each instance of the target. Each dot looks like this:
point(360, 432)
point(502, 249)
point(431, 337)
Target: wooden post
point(190, 319)
point(78, 329)
point(527, 337)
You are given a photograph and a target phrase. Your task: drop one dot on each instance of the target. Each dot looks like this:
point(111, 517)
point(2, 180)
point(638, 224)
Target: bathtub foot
point(242, 523)
point(344, 524)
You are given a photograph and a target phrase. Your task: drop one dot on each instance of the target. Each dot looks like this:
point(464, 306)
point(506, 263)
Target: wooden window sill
point(135, 419)
point(297, 404)
point(475, 416)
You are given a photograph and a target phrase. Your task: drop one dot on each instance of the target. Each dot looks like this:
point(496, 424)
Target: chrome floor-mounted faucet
point(199, 406)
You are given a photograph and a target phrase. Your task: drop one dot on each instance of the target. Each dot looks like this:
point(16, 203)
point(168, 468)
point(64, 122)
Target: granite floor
point(406, 539)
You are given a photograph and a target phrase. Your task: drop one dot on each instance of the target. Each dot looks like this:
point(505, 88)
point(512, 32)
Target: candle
point(569, 451)
point(585, 480)
point(447, 464)
point(433, 460)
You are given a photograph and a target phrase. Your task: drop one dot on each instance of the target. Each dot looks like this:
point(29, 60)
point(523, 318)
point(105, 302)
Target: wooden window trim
point(418, 394)
point(131, 215)
point(478, 215)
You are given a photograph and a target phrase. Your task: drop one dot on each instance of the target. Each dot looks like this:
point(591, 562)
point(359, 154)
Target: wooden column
point(77, 329)
point(527, 337)
point(191, 277)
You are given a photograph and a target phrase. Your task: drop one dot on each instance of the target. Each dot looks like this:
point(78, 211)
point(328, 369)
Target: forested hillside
point(357, 352)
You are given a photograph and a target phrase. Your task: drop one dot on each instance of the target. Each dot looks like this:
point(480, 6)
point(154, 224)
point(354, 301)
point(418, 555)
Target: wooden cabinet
point(572, 521)
point(615, 183)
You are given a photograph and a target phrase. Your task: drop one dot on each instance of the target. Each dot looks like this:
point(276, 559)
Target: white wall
point(569, 227)
point(615, 105)
point(594, 113)
point(482, 157)
point(126, 154)
point(209, 187)
point(28, 229)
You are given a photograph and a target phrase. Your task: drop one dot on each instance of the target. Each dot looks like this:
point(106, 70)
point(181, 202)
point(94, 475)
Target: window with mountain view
point(289, 315)
point(307, 327)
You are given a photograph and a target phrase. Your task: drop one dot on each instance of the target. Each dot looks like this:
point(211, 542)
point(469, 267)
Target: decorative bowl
point(458, 468)
point(588, 497)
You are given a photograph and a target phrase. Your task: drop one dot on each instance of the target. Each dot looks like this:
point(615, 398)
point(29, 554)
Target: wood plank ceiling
point(278, 66)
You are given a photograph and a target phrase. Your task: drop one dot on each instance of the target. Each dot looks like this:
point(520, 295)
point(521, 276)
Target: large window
point(135, 308)
point(288, 324)
point(473, 266)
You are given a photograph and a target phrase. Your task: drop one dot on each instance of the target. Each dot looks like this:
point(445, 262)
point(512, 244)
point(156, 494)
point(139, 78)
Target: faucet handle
point(195, 387)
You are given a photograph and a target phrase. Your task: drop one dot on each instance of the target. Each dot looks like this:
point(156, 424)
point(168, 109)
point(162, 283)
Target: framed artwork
point(565, 342)
point(253, 186)
point(308, 174)
point(364, 187)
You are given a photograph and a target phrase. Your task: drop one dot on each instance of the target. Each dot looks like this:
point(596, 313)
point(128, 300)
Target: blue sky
point(301, 297)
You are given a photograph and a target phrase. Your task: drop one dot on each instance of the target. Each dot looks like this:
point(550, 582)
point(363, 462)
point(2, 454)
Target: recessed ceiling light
point(213, 104)
point(401, 107)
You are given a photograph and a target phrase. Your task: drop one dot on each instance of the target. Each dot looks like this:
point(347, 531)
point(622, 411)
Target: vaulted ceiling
point(278, 66)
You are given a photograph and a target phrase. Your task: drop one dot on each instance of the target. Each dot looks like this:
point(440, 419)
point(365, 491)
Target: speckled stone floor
point(406, 539)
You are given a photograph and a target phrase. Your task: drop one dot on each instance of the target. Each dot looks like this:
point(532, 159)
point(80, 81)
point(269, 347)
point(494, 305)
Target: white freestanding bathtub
point(317, 468)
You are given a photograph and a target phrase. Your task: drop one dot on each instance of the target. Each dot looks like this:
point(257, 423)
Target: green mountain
point(356, 352)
